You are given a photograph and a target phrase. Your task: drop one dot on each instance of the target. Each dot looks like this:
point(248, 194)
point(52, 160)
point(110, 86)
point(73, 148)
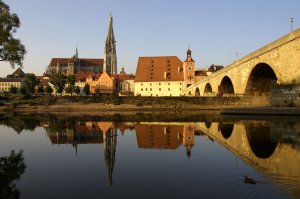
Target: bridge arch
point(226, 86)
point(207, 89)
point(260, 139)
point(197, 92)
point(226, 129)
point(261, 80)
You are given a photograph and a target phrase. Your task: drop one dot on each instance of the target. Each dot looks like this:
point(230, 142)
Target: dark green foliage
point(40, 89)
point(59, 81)
point(23, 90)
point(77, 90)
point(11, 169)
point(13, 89)
point(30, 82)
point(86, 89)
point(49, 89)
point(11, 49)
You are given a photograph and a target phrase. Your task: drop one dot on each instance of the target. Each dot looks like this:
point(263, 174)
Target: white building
point(164, 76)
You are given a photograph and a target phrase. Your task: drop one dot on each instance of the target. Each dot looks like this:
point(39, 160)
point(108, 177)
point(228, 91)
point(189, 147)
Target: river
point(50, 156)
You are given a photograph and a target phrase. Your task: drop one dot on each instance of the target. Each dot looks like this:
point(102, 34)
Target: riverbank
point(94, 105)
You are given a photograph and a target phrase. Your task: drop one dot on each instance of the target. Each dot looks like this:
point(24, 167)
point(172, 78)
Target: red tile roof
point(166, 68)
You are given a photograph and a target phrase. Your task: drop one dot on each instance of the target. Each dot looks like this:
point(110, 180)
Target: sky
point(215, 30)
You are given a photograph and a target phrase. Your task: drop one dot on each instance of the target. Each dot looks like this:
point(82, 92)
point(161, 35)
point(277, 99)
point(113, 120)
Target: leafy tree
point(59, 82)
point(11, 169)
point(69, 89)
point(86, 89)
point(49, 89)
point(77, 90)
point(23, 90)
point(30, 82)
point(13, 89)
point(72, 79)
point(11, 49)
point(40, 89)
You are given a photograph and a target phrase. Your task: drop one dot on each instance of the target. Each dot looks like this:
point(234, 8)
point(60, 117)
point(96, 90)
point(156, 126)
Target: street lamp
point(291, 20)
point(236, 55)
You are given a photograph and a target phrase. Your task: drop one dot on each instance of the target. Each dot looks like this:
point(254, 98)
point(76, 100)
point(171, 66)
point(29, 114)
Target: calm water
point(83, 157)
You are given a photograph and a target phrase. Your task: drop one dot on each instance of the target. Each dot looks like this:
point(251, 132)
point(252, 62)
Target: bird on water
point(248, 180)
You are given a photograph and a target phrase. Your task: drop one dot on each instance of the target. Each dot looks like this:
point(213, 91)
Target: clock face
point(189, 68)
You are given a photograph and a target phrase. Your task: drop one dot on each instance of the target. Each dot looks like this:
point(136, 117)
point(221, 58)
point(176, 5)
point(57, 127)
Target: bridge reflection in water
point(271, 147)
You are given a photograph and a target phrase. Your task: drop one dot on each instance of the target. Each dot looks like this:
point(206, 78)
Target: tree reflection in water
point(11, 168)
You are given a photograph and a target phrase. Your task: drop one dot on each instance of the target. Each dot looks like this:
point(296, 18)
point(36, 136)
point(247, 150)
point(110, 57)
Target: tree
point(13, 89)
point(69, 89)
point(86, 89)
point(72, 79)
point(40, 89)
point(23, 90)
point(30, 82)
point(11, 49)
point(11, 169)
point(59, 82)
point(49, 89)
point(77, 90)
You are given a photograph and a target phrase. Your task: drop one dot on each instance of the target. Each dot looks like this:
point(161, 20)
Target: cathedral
point(74, 64)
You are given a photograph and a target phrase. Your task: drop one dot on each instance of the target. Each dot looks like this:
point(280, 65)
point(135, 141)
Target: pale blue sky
point(214, 29)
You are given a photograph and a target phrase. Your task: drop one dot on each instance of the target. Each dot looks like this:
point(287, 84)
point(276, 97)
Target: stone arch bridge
point(277, 63)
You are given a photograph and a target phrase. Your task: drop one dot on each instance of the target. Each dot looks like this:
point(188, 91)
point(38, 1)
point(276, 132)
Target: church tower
point(110, 54)
point(189, 69)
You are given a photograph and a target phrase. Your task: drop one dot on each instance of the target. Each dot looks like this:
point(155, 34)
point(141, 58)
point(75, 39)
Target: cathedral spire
point(110, 55)
point(76, 54)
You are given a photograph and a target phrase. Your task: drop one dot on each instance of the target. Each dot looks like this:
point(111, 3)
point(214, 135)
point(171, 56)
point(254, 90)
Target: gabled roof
point(165, 68)
point(18, 73)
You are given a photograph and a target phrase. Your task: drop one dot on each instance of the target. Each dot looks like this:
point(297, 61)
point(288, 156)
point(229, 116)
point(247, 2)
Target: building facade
point(101, 84)
point(71, 66)
point(7, 83)
point(164, 76)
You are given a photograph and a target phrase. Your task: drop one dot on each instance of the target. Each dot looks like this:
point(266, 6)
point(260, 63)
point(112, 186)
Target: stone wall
point(285, 96)
point(169, 102)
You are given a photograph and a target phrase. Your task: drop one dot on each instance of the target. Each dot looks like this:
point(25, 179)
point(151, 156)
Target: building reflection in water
point(165, 136)
point(272, 147)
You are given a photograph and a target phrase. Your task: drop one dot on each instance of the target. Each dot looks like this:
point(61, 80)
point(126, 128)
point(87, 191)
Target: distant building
point(16, 79)
point(74, 64)
point(125, 83)
point(6, 83)
point(71, 66)
point(214, 68)
point(164, 76)
point(100, 83)
point(17, 74)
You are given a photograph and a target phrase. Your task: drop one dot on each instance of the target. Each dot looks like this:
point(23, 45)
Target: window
point(146, 89)
point(150, 89)
point(168, 83)
point(159, 89)
point(169, 89)
point(141, 89)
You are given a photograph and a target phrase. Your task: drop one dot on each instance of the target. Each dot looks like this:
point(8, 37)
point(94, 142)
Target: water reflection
point(11, 169)
point(269, 147)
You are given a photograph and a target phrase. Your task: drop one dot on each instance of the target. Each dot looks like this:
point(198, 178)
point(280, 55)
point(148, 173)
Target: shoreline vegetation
point(95, 105)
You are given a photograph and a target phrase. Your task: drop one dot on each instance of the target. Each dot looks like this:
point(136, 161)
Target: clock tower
point(189, 69)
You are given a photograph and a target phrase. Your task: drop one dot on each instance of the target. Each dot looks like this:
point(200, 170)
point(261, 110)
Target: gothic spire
point(76, 52)
point(110, 55)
